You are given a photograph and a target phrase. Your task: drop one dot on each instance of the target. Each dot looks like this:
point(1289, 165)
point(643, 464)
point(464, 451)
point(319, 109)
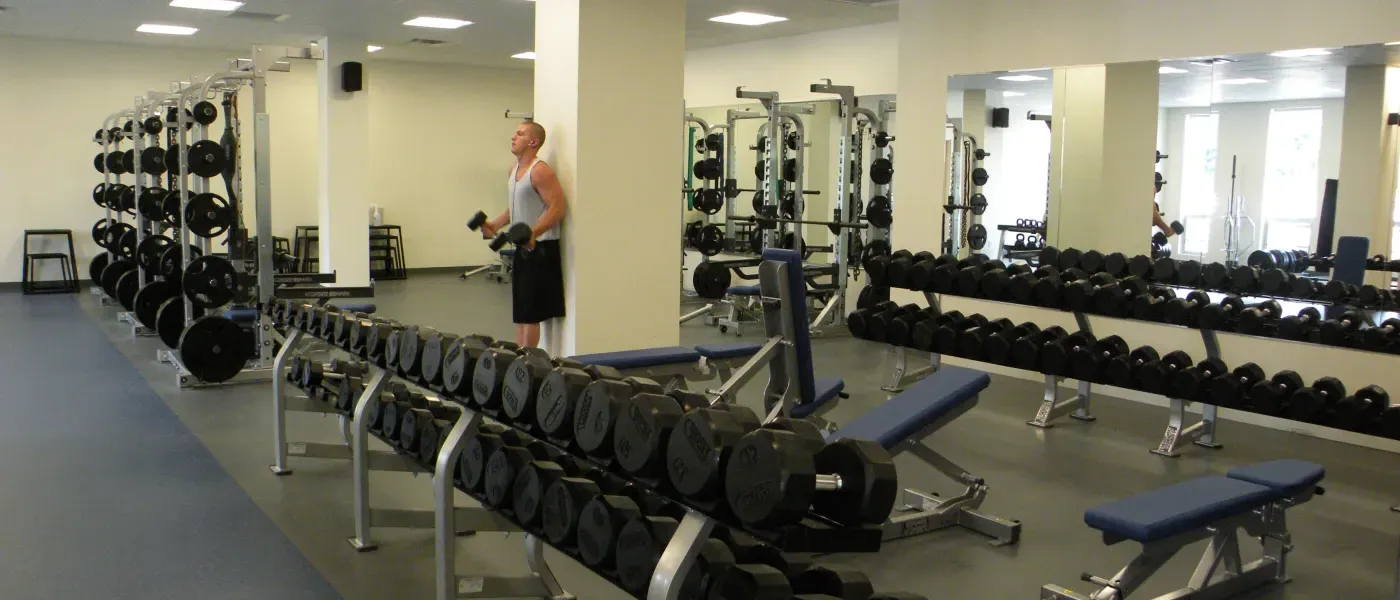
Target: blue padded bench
point(814, 394)
point(902, 424)
point(250, 315)
point(1166, 520)
point(676, 364)
point(744, 290)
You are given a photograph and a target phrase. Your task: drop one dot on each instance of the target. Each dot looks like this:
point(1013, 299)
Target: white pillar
point(343, 169)
point(609, 81)
point(920, 177)
point(1365, 189)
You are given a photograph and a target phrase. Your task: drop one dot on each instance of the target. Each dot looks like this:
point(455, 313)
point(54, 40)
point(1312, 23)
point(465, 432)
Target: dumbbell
point(878, 328)
point(347, 393)
point(1089, 363)
point(1122, 370)
point(924, 330)
point(377, 340)
point(1272, 397)
point(995, 283)
point(997, 347)
point(877, 267)
point(505, 464)
point(597, 412)
point(842, 583)
point(1190, 383)
point(1092, 261)
point(314, 373)
point(1232, 308)
point(1160, 238)
point(1216, 276)
point(393, 412)
point(1341, 331)
point(943, 277)
point(943, 339)
point(477, 450)
point(1383, 336)
point(752, 582)
point(421, 430)
point(602, 519)
point(534, 480)
point(518, 234)
point(749, 550)
point(1152, 305)
point(390, 359)
point(1230, 390)
point(774, 477)
point(640, 543)
point(1188, 272)
point(1049, 290)
point(1064, 259)
point(1078, 295)
point(1116, 264)
point(340, 329)
point(898, 271)
point(1154, 377)
point(1244, 279)
point(1113, 299)
point(561, 392)
point(1186, 311)
point(459, 363)
point(968, 281)
point(968, 342)
point(1297, 327)
point(524, 380)
point(435, 351)
point(1054, 356)
point(1312, 404)
point(1303, 287)
point(859, 321)
point(643, 426)
point(1020, 288)
point(411, 344)
point(1142, 266)
point(489, 374)
point(1338, 291)
point(901, 329)
point(1360, 412)
point(921, 275)
point(696, 458)
point(1276, 281)
point(1025, 352)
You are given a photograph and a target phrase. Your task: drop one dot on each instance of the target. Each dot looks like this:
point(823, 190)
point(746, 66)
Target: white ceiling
point(502, 27)
point(1301, 78)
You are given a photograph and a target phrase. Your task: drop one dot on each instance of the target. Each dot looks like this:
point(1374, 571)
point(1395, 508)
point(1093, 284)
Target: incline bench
point(902, 423)
point(1167, 519)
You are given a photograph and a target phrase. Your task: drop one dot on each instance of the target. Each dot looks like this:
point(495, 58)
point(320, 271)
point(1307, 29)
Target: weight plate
point(99, 162)
point(214, 348)
point(111, 274)
point(114, 162)
point(880, 212)
point(126, 245)
point(711, 281)
point(210, 282)
point(129, 161)
point(979, 204)
point(95, 267)
point(99, 231)
point(172, 159)
point(170, 208)
point(99, 194)
point(152, 125)
point(881, 171)
point(172, 264)
point(170, 321)
point(149, 298)
point(205, 113)
point(149, 251)
point(979, 176)
point(206, 158)
point(153, 161)
point(709, 241)
point(208, 215)
point(977, 236)
point(151, 203)
point(127, 286)
point(113, 234)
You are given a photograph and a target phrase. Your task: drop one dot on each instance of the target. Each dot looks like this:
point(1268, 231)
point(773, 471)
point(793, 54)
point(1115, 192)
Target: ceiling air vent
point(426, 42)
point(257, 16)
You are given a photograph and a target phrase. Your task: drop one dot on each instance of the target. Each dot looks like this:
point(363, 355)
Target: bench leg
point(1052, 407)
point(902, 377)
point(1202, 432)
point(923, 512)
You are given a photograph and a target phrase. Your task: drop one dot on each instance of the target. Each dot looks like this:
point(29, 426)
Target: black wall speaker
point(352, 76)
point(1001, 117)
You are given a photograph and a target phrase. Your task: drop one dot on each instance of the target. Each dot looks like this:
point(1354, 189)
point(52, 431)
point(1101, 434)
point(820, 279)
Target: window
point(1198, 181)
point(1291, 177)
point(1395, 220)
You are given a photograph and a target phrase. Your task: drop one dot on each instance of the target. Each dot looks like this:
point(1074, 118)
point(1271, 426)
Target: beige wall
point(439, 142)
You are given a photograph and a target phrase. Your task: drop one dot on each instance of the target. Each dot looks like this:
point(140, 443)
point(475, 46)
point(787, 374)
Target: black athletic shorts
point(537, 284)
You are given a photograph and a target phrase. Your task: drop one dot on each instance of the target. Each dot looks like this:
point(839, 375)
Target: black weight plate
point(879, 212)
point(153, 161)
point(979, 204)
point(709, 241)
point(99, 194)
point(112, 273)
point(979, 176)
point(170, 321)
point(206, 158)
point(113, 161)
point(149, 251)
point(208, 215)
point(113, 235)
point(172, 265)
point(149, 298)
point(99, 231)
point(151, 203)
point(152, 125)
point(95, 267)
point(211, 281)
point(99, 162)
point(205, 113)
point(881, 171)
point(112, 196)
point(126, 245)
point(977, 237)
point(172, 159)
point(127, 286)
point(170, 208)
point(710, 281)
point(214, 348)
point(127, 200)
point(129, 161)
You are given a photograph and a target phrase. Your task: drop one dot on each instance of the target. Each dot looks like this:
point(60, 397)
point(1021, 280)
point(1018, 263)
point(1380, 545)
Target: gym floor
point(119, 485)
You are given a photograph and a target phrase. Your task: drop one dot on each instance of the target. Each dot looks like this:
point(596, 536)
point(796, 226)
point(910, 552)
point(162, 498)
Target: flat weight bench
point(739, 307)
point(902, 424)
point(1168, 519)
point(250, 315)
point(675, 365)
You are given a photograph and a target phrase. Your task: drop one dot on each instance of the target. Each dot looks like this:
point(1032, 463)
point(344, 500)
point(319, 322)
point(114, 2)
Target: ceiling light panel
point(1241, 81)
point(1021, 78)
point(219, 5)
point(1170, 70)
point(437, 23)
point(1301, 53)
point(166, 29)
point(525, 55)
point(374, 48)
point(748, 18)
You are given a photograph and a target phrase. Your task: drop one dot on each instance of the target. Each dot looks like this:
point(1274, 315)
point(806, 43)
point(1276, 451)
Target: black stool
point(69, 283)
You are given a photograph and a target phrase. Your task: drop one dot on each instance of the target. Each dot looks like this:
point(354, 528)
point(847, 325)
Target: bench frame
point(1220, 573)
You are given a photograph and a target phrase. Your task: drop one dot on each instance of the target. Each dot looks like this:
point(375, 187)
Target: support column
point(974, 123)
point(1366, 187)
point(343, 169)
point(621, 237)
point(920, 180)
point(1104, 135)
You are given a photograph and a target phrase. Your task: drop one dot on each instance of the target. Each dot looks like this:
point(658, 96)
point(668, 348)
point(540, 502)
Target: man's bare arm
point(546, 184)
point(1162, 224)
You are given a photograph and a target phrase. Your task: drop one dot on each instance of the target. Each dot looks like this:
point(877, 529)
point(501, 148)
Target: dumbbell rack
point(449, 521)
point(1053, 407)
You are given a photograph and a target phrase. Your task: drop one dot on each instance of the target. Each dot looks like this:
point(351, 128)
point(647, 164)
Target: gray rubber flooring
point(1345, 541)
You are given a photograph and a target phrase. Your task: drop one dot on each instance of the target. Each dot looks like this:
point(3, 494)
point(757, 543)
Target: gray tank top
point(526, 206)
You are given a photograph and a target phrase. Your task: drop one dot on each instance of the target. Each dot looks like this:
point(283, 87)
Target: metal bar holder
point(1202, 432)
point(1076, 407)
point(901, 378)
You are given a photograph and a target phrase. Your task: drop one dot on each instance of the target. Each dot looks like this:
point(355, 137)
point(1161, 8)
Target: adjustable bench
point(739, 306)
point(250, 315)
point(902, 423)
point(674, 365)
point(1168, 519)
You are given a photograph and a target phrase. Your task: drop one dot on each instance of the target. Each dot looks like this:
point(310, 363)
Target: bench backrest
point(797, 307)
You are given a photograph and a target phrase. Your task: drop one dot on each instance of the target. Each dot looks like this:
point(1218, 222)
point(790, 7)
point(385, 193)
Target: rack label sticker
point(470, 585)
point(296, 448)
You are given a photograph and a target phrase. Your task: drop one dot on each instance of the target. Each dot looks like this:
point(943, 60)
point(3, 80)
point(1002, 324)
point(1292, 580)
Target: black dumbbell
point(1259, 319)
point(1216, 276)
point(1113, 299)
point(898, 272)
point(405, 400)
point(524, 378)
point(640, 543)
point(1272, 397)
point(1064, 259)
point(1020, 288)
point(1054, 356)
point(489, 375)
point(1338, 291)
point(1186, 311)
point(1122, 370)
point(411, 343)
point(1160, 238)
point(921, 275)
point(1361, 412)
point(1089, 363)
point(749, 550)
point(944, 338)
point(843, 583)
point(968, 342)
point(878, 328)
point(1025, 352)
point(435, 349)
point(535, 479)
point(518, 234)
point(859, 321)
point(1303, 287)
point(477, 451)
point(459, 363)
point(1230, 390)
point(696, 458)
point(1381, 337)
point(751, 581)
point(599, 523)
point(877, 267)
point(347, 393)
point(1299, 326)
point(1049, 290)
point(997, 348)
point(995, 283)
point(598, 410)
point(1244, 279)
point(1341, 331)
point(775, 477)
point(1314, 403)
point(901, 329)
point(1188, 273)
point(643, 426)
point(1223, 315)
point(1372, 296)
point(564, 501)
point(924, 330)
point(1142, 266)
point(1152, 305)
point(968, 281)
point(1155, 377)
point(561, 392)
point(1078, 296)
point(1116, 264)
point(416, 421)
point(505, 464)
point(1092, 261)
point(1190, 384)
point(1276, 281)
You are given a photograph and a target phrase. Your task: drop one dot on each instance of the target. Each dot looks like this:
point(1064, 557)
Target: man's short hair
point(536, 131)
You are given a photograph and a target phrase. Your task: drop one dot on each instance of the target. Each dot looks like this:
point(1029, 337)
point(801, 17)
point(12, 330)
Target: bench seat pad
point(1177, 509)
point(909, 412)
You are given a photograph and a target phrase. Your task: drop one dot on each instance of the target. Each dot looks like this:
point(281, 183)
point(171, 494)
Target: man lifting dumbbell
point(537, 289)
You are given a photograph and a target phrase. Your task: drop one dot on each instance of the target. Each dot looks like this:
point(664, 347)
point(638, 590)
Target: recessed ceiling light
point(1021, 78)
point(166, 29)
point(1301, 53)
point(219, 5)
point(1242, 81)
point(1013, 94)
point(1170, 70)
point(1392, 43)
point(748, 18)
point(525, 55)
point(437, 23)
point(374, 48)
